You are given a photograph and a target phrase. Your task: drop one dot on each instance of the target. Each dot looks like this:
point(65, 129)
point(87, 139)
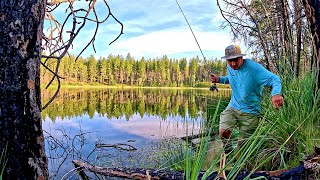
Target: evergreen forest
point(118, 70)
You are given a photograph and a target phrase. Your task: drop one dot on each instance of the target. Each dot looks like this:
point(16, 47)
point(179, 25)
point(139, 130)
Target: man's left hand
point(277, 101)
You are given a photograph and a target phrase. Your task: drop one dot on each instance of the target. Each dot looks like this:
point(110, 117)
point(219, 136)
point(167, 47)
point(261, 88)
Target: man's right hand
point(214, 78)
point(277, 101)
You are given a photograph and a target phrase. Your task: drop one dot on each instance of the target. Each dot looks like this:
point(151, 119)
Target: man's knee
point(224, 133)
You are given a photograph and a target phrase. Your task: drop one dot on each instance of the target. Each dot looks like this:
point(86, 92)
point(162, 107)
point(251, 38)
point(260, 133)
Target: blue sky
point(153, 28)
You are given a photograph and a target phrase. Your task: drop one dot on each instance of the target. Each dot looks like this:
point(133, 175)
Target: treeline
point(119, 70)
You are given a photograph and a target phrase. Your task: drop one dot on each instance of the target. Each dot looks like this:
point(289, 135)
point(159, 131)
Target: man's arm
point(266, 78)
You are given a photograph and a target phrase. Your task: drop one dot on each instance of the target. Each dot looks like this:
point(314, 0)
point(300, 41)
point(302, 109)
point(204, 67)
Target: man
point(246, 78)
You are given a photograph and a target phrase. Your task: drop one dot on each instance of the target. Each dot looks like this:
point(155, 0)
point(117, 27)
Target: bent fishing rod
point(214, 86)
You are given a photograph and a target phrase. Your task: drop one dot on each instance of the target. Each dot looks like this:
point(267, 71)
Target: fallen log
point(306, 170)
point(121, 146)
point(136, 173)
point(196, 136)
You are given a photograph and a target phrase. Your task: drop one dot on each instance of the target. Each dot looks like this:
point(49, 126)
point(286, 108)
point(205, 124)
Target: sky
point(153, 28)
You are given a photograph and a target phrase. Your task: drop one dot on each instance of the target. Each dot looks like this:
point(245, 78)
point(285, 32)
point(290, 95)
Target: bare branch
point(55, 2)
point(54, 42)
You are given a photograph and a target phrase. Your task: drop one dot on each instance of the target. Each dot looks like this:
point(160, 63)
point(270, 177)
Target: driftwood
point(190, 138)
point(122, 146)
point(306, 170)
point(136, 173)
point(196, 136)
point(222, 175)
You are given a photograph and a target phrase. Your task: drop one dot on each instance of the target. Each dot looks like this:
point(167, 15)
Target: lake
point(122, 127)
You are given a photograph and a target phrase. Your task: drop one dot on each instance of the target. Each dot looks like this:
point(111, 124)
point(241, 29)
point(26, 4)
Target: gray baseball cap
point(232, 51)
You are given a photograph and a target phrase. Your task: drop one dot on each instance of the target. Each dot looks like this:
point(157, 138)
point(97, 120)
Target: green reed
point(297, 128)
point(195, 162)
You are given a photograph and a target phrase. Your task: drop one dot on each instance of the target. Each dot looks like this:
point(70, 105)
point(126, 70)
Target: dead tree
point(244, 24)
point(312, 9)
point(271, 29)
point(21, 46)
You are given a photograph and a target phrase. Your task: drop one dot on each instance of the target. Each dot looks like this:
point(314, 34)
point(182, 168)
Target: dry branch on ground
point(306, 170)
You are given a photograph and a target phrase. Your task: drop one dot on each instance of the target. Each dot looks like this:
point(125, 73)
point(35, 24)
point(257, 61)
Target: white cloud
point(171, 42)
point(155, 28)
point(156, 128)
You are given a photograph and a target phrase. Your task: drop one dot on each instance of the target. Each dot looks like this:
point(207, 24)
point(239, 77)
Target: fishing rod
point(214, 86)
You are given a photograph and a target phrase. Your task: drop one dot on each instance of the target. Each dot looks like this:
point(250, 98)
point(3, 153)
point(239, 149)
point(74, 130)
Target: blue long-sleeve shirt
point(247, 83)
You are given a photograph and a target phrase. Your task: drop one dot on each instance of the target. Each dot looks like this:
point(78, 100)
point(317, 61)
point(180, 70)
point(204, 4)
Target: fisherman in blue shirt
point(246, 78)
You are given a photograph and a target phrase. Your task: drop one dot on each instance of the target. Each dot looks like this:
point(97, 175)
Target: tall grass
point(195, 162)
point(297, 127)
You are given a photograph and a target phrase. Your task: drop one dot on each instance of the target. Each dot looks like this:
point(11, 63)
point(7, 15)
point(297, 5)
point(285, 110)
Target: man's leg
point(248, 123)
point(227, 124)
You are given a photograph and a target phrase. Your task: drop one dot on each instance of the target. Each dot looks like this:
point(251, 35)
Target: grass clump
point(296, 128)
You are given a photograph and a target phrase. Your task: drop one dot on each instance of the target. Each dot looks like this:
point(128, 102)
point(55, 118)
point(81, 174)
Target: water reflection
point(79, 119)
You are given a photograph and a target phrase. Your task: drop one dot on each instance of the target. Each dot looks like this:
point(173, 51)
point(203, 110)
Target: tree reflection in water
point(79, 120)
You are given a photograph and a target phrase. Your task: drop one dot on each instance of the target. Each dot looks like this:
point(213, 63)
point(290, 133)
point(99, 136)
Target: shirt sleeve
point(224, 80)
point(266, 78)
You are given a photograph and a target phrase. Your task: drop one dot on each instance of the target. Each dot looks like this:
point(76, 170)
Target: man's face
point(235, 63)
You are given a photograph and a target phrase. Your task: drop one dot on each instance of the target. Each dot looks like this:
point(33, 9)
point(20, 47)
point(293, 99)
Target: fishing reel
point(214, 87)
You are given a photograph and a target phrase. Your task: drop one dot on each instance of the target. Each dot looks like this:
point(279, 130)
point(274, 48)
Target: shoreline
point(124, 87)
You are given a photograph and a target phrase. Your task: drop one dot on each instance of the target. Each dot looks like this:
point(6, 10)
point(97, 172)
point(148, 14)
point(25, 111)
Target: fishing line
point(214, 86)
point(190, 29)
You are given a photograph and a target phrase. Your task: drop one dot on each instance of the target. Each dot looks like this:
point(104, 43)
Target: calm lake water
point(121, 127)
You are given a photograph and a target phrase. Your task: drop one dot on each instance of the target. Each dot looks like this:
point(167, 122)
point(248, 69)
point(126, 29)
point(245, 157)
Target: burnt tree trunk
point(297, 19)
point(21, 27)
point(312, 9)
point(287, 34)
